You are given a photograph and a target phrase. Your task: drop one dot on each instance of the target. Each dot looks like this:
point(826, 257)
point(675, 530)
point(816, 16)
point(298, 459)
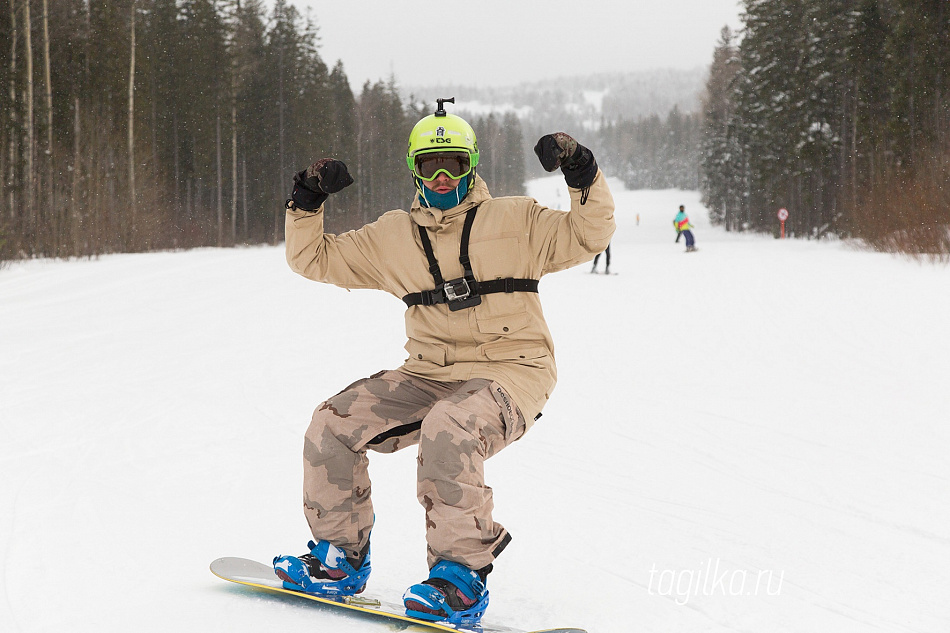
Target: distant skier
point(597, 258)
point(481, 362)
point(682, 226)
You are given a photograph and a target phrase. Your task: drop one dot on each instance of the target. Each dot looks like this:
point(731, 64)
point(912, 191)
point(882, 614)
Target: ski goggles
point(455, 165)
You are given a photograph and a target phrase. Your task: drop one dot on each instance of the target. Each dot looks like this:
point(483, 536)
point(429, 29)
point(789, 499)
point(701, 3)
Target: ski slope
point(753, 438)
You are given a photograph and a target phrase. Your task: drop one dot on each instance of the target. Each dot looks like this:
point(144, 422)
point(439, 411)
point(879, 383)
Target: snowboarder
point(606, 262)
point(682, 226)
point(480, 367)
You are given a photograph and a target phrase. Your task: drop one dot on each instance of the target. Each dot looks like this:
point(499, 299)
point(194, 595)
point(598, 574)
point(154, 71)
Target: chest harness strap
point(464, 292)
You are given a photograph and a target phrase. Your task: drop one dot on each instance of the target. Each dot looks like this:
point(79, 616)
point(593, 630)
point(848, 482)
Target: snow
point(595, 98)
point(476, 108)
point(752, 437)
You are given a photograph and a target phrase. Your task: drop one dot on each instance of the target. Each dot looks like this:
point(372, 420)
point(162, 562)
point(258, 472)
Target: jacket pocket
point(501, 305)
point(497, 256)
point(425, 352)
point(515, 351)
point(502, 325)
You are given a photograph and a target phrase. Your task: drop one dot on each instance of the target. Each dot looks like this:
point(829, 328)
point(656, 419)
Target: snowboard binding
point(453, 593)
point(324, 571)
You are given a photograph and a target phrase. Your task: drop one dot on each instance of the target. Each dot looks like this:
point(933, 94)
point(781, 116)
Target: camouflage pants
point(456, 426)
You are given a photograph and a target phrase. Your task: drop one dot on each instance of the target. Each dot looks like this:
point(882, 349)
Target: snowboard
point(260, 576)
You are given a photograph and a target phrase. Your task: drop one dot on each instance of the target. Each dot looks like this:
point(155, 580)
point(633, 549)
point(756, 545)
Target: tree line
point(837, 111)
point(134, 125)
point(653, 152)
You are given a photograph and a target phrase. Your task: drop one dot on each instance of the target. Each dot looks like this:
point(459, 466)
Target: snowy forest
point(133, 125)
point(653, 152)
point(145, 124)
point(644, 126)
point(839, 112)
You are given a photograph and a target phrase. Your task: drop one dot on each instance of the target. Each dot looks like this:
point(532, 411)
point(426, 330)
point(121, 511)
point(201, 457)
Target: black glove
point(313, 185)
point(576, 161)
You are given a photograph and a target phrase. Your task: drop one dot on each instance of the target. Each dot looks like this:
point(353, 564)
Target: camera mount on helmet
point(440, 109)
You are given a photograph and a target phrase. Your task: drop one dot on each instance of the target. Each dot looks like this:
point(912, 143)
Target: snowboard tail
point(254, 574)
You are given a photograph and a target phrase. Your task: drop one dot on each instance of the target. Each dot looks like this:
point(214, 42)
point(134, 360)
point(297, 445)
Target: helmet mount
point(439, 108)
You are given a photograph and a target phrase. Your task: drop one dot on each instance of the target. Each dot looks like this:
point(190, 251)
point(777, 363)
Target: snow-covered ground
point(753, 437)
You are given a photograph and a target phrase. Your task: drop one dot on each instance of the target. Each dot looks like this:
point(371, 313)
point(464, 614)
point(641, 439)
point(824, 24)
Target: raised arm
point(566, 239)
point(347, 260)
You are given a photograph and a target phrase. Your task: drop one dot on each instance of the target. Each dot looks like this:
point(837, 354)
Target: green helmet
point(442, 132)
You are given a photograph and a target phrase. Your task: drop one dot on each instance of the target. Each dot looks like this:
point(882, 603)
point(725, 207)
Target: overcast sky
point(505, 42)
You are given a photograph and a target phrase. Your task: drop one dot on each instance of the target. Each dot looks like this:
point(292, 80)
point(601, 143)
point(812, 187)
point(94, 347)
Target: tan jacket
point(505, 338)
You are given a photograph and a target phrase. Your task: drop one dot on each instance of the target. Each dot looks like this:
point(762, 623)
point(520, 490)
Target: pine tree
point(920, 54)
point(161, 68)
point(513, 148)
point(341, 211)
point(870, 106)
point(255, 114)
point(722, 162)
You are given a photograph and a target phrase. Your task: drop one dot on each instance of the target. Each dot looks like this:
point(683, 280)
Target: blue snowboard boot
point(324, 571)
point(453, 593)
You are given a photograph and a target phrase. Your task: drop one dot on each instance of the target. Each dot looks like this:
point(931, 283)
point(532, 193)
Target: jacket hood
point(431, 216)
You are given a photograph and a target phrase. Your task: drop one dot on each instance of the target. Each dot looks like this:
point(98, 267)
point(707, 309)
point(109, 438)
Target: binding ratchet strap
point(464, 292)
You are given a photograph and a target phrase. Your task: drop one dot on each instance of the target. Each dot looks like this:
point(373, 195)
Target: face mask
point(443, 201)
